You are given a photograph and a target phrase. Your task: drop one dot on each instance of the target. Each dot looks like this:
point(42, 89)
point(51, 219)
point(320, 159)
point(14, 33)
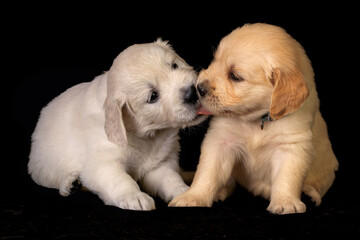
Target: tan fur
point(290, 92)
point(292, 153)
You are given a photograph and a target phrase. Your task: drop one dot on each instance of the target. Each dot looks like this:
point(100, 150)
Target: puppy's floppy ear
point(114, 125)
point(290, 92)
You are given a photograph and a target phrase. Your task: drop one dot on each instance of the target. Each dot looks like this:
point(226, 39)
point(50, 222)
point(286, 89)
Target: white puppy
point(119, 129)
point(267, 133)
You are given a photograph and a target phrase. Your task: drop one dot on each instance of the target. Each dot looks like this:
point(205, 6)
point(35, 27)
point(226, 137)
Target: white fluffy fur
point(107, 135)
point(292, 153)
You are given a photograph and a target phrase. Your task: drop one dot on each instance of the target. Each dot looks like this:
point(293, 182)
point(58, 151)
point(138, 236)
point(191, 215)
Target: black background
point(49, 48)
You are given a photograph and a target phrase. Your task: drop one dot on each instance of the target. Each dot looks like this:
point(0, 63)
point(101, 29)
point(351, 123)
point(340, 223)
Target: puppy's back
point(56, 148)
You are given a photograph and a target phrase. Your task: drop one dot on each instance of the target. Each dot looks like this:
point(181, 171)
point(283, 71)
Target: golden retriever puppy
point(267, 133)
point(120, 129)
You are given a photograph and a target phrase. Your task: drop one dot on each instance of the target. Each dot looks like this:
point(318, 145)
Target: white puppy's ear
point(114, 125)
point(163, 43)
point(290, 92)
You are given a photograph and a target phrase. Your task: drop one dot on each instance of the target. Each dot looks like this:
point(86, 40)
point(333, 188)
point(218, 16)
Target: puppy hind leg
point(70, 183)
point(322, 172)
point(313, 193)
point(227, 190)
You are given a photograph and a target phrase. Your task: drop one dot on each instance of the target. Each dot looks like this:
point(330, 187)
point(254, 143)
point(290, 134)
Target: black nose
point(190, 95)
point(203, 88)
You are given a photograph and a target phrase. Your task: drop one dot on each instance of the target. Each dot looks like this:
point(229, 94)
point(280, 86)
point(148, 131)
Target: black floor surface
point(43, 214)
point(28, 211)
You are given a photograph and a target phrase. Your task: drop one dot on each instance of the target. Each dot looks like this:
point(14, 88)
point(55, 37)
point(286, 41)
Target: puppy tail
point(187, 176)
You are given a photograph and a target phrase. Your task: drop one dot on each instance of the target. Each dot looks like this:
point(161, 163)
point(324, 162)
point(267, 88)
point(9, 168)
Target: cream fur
point(106, 134)
point(292, 153)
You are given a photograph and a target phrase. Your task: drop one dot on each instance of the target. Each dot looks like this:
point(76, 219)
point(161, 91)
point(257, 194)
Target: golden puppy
point(267, 133)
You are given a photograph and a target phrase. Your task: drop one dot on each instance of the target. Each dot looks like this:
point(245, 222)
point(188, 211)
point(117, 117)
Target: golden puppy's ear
point(114, 125)
point(290, 92)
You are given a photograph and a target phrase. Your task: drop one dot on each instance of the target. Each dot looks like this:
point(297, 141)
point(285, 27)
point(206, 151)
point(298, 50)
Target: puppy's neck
point(259, 119)
point(255, 116)
point(135, 132)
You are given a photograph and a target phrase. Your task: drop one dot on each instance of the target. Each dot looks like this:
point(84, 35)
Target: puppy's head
point(256, 69)
point(149, 88)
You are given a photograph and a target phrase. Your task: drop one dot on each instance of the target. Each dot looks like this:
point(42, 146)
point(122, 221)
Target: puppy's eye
point(174, 66)
point(153, 97)
point(235, 78)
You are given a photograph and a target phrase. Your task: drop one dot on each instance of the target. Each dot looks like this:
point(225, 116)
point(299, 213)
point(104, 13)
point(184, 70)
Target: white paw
point(286, 206)
point(136, 201)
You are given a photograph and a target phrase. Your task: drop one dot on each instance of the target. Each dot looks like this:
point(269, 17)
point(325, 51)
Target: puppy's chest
point(144, 156)
point(256, 146)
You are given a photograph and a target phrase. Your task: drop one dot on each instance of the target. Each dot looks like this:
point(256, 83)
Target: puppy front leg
point(165, 181)
point(110, 181)
point(216, 163)
point(290, 167)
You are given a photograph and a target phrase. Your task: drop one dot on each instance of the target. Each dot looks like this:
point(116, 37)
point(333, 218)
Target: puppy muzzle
point(190, 96)
point(203, 88)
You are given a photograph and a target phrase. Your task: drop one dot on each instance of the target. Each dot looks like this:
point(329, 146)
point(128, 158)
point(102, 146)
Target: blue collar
point(264, 119)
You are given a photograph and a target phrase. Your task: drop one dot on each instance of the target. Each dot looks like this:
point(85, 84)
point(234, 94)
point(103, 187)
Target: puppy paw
point(286, 206)
point(313, 193)
point(174, 192)
point(190, 200)
point(136, 201)
point(224, 193)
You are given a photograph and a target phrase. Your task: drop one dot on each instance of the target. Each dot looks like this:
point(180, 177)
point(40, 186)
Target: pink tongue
point(203, 111)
